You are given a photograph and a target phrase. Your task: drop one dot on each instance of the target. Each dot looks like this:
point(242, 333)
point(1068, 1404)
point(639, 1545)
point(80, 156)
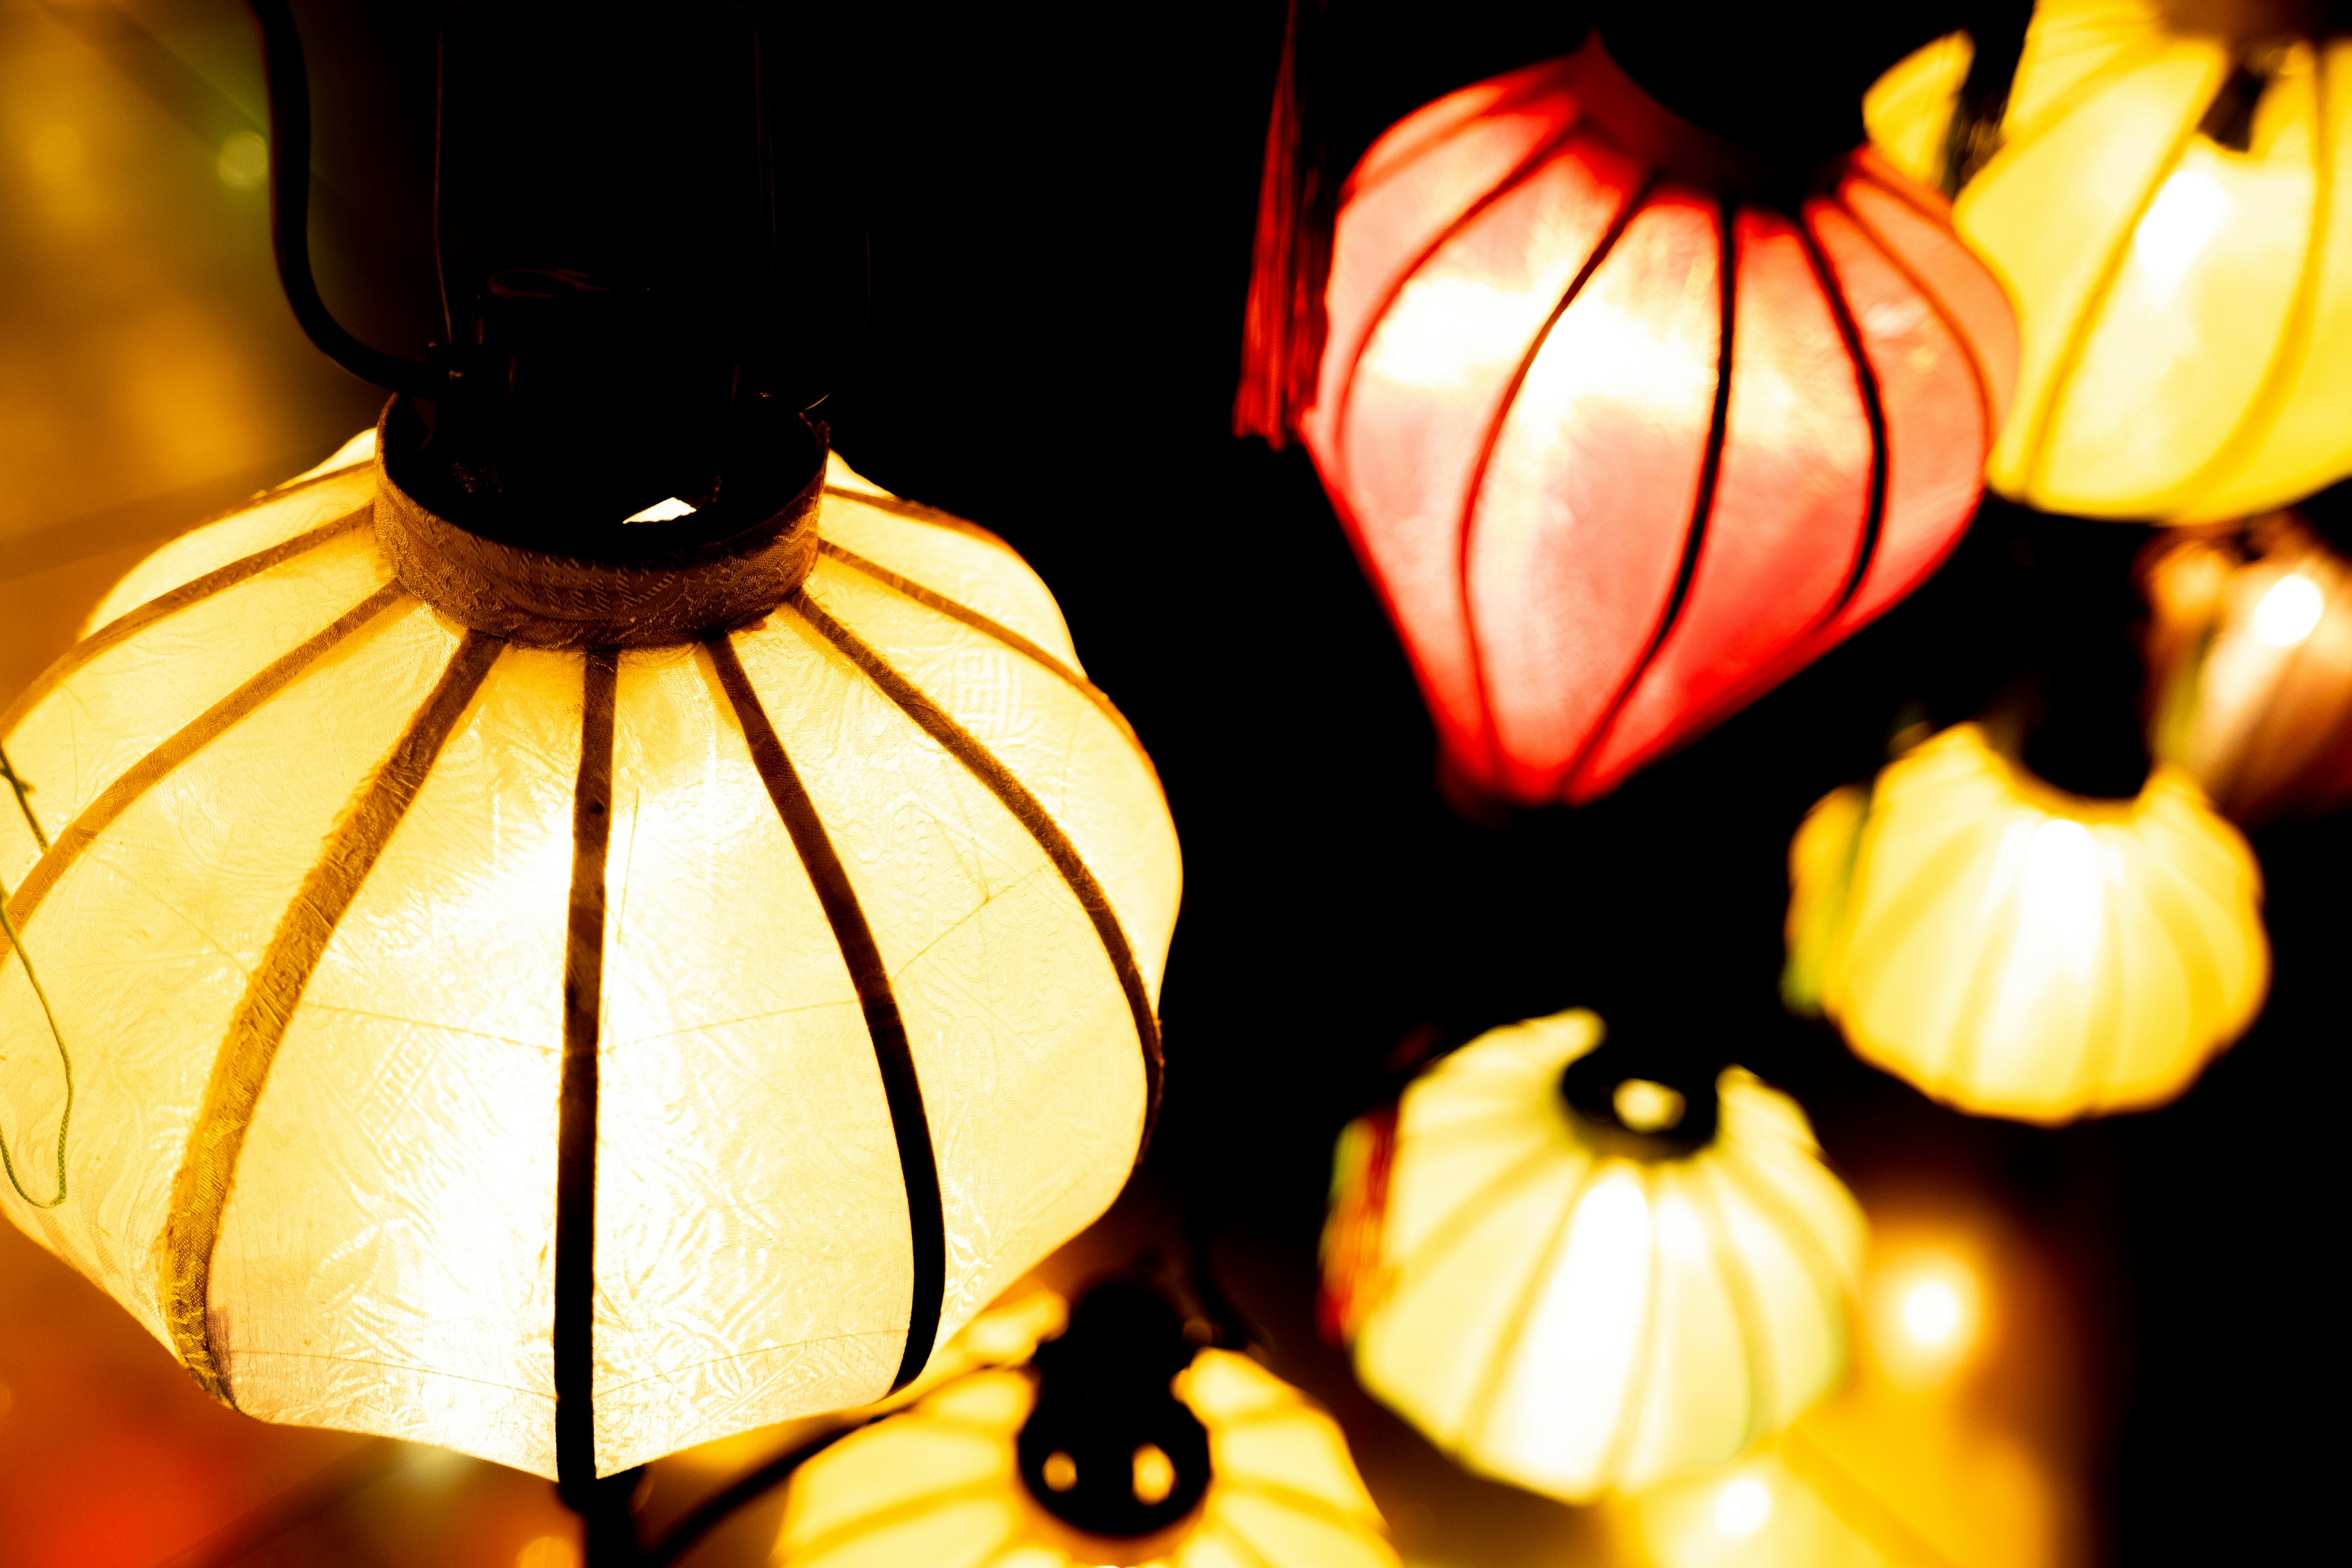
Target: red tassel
point(1283, 324)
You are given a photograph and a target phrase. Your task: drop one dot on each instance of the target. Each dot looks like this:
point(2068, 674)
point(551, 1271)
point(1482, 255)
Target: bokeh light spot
point(244, 162)
point(1742, 1508)
point(2286, 614)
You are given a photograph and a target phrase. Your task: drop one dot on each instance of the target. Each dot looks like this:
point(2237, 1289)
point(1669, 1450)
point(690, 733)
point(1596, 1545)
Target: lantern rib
point(932, 599)
point(1702, 504)
point(273, 993)
point(885, 1027)
point(1250, 1557)
point(1032, 814)
point(916, 511)
point(2270, 398)
point(1459, 1221)
point(190, 738)
point(194, 591)
point(1966, 1036)
point(1523, 172)
point(1789, 1222)
point(2079, 331)
point(1739, 1285)
point(1480, 1408)
point(1935, 301)
point(573, 1335)
point(1873, 409)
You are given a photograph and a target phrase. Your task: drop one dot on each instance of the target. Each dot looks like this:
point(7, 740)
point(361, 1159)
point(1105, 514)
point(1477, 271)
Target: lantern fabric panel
point(940, 1485)
point(1567, 469)
point(2184, 306)
point(696, 1081)
point(119, 695)
point(1576, 1321)
point(387, 1248)
point(2018, 952)
point(324, 917)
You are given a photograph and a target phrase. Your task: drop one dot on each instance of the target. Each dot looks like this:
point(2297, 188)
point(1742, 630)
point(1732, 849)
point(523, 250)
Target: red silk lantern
point(1627, 428)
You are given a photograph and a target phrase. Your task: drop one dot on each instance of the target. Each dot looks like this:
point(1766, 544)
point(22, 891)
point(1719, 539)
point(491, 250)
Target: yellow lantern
point(943, 1486)
point(1579, 1299)
point(2017, 951)
point(507, 1014)
point(2170, 201)
point(2250, 658)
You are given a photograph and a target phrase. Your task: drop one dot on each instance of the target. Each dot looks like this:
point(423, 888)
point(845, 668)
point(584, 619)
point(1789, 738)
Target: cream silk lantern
point(1579, 1305)
point(2017, 951)
point(2167, 195)
point(506, 1013)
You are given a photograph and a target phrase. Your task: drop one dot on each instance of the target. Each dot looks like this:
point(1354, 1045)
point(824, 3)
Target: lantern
point(1580, 1292)
point(2165, 199)
point(953, 1482)
point(2017, 951)
point(1626, 425)
point(2251, 665)
point(568, 1006)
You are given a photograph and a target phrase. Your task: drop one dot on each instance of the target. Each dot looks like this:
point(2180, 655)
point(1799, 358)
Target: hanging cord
point(65, 1117)
point(23, 789)
point(1290, 259)
point(289, 213)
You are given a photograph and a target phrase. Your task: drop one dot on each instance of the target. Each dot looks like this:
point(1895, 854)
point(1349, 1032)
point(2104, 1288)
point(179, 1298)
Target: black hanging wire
point(289, 213)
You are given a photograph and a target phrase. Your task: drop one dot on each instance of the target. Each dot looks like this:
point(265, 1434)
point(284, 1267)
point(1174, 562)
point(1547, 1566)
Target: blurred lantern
point(2249, 655)
point(2017, 951)
point(2163, 185)
point(1587, 1280)
point(592, 931)
point(1628, 422)
point(1115, 1451)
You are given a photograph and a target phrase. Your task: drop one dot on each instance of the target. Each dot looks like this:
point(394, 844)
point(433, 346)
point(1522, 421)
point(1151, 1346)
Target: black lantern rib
point(574, 1333)
point(901, 1087)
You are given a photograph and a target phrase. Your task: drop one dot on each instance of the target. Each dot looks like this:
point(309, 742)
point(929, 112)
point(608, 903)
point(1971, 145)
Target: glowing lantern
point(955, 1480)
point(2166, 203)
point(1580, 1294)
point(2017, 951)
point(1622, 436)
point(565, 1008)
point(2251, 659)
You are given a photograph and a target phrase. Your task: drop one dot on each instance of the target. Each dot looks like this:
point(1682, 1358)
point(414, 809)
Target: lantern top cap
point(724, 559)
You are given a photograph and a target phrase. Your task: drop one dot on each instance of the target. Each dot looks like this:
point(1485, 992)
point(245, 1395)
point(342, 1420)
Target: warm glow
point(661, 512)
point(2017, 952)
point(315, 918)
point(1155, 1474)
point(1060, 1472)
point(1518, 400)
point(549, 1551)
point(2185, 315)
point(1742, 1508)
point(2180, 224)
point(244, 162)
point(1926, 1313)
point(1648, 1107)
point(940, 1483)
point(1559, 1316)
point(2289, 612)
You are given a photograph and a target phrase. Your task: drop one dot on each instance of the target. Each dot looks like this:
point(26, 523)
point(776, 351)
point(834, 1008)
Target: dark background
point(1057, 202)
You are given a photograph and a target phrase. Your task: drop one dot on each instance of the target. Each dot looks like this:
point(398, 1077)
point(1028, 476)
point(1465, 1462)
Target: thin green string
point(65, 1118)
point(23, 799)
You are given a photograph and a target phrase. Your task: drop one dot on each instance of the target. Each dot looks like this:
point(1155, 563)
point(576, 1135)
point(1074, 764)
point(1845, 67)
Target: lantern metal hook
point(289, 214)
